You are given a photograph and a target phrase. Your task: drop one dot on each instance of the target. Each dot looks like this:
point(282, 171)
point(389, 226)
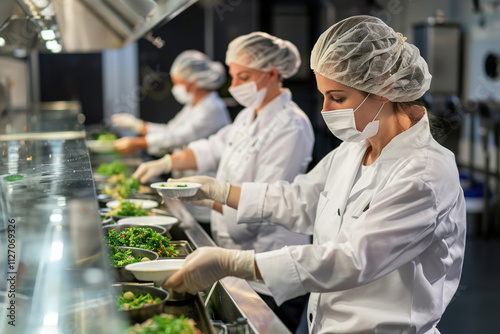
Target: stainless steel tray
point(182, 246)
point(192, 308)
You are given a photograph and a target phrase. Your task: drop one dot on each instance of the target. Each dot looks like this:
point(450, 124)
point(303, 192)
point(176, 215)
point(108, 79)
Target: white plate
point(170, 189)
point(101, 146)
point(166, 222)
point(157, 271)
point(145, 203)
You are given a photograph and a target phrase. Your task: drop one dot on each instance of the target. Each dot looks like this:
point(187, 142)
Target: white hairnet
point(192, 65)
point(364, 53)
point(264, 52)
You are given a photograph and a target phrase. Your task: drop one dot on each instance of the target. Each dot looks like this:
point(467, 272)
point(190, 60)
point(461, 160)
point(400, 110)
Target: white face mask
point(247, 94)
point(181, 94)
point(343, 125)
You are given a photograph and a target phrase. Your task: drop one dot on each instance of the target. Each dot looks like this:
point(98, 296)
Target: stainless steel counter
point(54, 277)
point(59, 280)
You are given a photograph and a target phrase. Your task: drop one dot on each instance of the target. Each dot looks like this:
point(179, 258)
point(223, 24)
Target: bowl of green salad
point(176, 189)
point(144, 237)
point(165, 323)
point(102, 142)
point(125, 209)
point(139, 302)
point(121, 256)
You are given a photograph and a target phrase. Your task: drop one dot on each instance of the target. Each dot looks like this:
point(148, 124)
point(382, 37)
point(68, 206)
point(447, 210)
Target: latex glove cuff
point(244, 264)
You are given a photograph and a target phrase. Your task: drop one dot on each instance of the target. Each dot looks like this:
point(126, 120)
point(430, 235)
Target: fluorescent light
point(51, 44)
point(50, 319)
point(57, 48)
point(48, 34)
point(56, 251)
point(2, 42)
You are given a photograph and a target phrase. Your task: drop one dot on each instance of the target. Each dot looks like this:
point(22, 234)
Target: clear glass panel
point(53, 273)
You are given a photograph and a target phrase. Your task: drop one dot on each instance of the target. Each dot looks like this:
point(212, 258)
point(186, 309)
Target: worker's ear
point(274, 75)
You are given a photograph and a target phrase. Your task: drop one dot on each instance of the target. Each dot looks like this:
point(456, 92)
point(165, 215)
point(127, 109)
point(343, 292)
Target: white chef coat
point(276, 145)
point(191, 123)
point(387, 251)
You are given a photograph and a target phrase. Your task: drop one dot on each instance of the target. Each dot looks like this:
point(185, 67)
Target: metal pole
point(34, 76)
point(209, 31)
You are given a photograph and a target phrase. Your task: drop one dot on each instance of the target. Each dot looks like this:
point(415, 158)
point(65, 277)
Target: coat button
point(338, 211)
point(310, 317)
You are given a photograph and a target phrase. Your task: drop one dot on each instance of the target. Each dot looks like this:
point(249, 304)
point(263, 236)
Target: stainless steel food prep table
point(55, 278)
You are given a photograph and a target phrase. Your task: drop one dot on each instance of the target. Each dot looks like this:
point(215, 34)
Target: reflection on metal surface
point(56, 223)
point(47, 117)
point(44, 135)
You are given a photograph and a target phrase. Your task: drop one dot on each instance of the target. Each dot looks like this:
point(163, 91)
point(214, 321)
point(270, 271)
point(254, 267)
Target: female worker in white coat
point(385, 208)
point(270, 140)
point(195, 79)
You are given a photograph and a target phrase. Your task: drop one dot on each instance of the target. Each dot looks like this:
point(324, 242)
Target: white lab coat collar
point(269, 111)
point(204, 100)
point(414, 137)
point(409, 140)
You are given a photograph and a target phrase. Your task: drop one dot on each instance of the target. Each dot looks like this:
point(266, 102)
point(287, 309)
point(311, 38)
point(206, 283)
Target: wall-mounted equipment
point(440, 45)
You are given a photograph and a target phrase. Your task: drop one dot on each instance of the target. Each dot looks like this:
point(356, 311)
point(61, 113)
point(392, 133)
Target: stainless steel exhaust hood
point(82, 25)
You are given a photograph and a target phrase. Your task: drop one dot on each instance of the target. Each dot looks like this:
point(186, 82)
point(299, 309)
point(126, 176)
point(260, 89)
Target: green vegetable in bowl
point(173, 186)
point(120, 186)
point(129, 301)
point(106, 136)
point(13, 177)
point(128, 209)
point(144, 238)
point(129, 295)
point(131, 184)
point(165, 323)
point(122, 257)
point(112, 168)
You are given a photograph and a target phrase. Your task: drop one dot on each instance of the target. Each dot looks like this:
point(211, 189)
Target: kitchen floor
point(475, 308)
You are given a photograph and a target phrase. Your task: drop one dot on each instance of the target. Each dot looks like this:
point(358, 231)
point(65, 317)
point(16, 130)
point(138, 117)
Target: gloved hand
point(211, 188)
point(150, 169)
point(202, 202)
point(206, 265)
point(127, 121)
point(126, 145)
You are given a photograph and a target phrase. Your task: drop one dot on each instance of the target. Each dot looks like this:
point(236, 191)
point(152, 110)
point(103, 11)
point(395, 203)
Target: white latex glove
point(202, 202)
point(127, 121)
point(206, 265)
point(150, 169)
point(211, 188)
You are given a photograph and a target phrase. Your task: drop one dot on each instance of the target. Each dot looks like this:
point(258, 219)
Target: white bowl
point(166, 222)
point(101, 146)
point(171, 189)
point(145, 203)
point(157, 271)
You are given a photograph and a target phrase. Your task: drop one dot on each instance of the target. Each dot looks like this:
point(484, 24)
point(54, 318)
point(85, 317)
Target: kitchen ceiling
point(81, 25)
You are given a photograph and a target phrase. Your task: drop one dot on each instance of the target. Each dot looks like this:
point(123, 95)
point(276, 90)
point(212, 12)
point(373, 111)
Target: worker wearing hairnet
point(271, 139)
point(385, 208)
point(195, 78)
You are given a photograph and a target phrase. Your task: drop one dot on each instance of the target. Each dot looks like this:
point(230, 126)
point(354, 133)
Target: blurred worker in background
point(270, 140)
point(195, 79)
